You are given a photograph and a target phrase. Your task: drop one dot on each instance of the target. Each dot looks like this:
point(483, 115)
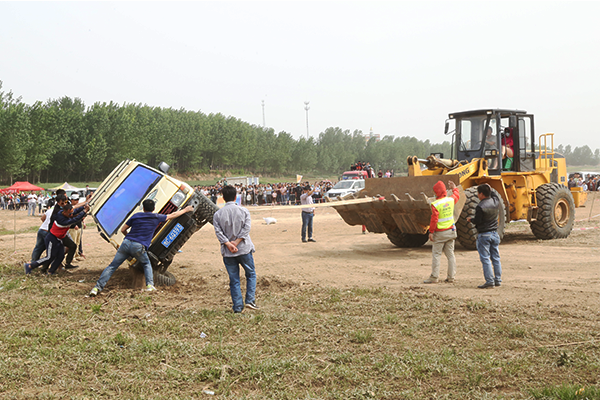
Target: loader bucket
point(402, 203)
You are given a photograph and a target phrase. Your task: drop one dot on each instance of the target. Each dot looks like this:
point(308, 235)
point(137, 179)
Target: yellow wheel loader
point(493, 146)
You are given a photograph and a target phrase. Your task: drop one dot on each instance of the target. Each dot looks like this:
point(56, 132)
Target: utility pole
point(306, 107)
point(263, 107)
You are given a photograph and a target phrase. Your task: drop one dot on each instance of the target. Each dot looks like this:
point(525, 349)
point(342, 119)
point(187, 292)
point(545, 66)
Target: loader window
point(471, 133)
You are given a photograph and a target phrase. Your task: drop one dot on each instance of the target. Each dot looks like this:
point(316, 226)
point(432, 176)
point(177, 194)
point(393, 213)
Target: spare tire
point(205, 211)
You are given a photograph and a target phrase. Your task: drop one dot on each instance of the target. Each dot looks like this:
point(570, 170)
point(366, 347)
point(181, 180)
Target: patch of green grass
point(96, 308)
point(362, 336)
point(31, 229)
point(566, 392)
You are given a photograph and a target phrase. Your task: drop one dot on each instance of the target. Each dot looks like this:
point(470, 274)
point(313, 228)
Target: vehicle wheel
point(556, 212)
point(164, 279)
point(466, 231)
point(400, 239)
point(205, 210)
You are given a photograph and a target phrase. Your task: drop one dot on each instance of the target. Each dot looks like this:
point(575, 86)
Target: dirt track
point(557, 272)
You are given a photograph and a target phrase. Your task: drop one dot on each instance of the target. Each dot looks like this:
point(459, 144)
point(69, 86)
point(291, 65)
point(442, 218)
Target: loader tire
point(400, 239)
point(556, 212)
point(164, 279)
point(466, 231)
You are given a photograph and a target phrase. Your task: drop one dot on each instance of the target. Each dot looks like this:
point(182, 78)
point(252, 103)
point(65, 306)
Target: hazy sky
point(398, 67)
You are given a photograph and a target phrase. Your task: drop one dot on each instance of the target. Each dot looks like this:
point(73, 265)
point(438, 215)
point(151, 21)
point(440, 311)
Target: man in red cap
point(442, 231)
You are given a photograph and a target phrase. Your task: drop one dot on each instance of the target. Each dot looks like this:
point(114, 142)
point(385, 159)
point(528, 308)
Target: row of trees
point(62, 140)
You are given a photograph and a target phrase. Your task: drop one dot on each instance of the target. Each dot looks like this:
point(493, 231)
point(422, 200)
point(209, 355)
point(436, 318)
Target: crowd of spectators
point(24, 201)
point(365, 166)
point(282, 193)
point(589, 182)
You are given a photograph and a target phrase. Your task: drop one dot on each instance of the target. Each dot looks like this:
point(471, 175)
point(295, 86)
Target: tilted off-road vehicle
point(121, 195)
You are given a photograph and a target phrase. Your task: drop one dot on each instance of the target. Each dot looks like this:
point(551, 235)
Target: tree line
point(63, 139)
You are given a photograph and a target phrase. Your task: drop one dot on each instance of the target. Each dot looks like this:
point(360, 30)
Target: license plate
point(172, 235)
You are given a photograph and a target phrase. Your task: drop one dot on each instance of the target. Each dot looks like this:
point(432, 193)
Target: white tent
point(65, 186)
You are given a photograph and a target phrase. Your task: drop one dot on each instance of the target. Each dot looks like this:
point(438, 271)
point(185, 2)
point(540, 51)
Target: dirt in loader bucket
point(401, 204)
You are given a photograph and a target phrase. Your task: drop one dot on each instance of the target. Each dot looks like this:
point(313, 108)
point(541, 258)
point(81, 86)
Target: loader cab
point(495, 135)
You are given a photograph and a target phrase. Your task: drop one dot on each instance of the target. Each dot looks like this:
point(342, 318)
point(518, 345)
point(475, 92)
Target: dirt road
point(556, 272)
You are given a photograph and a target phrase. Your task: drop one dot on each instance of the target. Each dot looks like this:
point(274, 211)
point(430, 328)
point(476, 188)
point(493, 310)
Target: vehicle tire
point(164, 279)
point(400, 239)
point(556, 212)
point(205, 211)
point(466, 231)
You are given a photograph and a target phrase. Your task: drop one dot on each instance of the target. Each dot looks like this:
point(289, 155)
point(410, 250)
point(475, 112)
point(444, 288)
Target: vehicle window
point(129, 193)
point(360, 185)
point(471, 132)
point(344, 184)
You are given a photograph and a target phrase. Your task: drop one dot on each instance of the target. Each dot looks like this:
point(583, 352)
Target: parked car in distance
point(354, 175)
point(345, 187)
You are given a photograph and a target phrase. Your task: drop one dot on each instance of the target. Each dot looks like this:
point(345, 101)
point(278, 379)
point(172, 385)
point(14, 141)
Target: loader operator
point(442, 231)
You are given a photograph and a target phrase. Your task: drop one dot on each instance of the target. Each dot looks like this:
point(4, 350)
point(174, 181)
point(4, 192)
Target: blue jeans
point(128, 249)
point(232, 264)
point(487, 246)
point(307, 224)
point(40, 245)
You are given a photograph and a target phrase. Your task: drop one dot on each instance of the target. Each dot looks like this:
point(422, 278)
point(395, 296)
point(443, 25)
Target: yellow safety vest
point(445, 209)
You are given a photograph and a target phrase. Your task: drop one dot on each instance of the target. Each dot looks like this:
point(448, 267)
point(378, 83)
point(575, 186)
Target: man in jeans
point(442, 231)
point(136, 243)
point(307, 213)
point(232, 227)
point(486, 221)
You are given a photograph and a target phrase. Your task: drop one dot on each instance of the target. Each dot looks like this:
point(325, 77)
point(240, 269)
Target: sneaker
point(303, 240)
point(312, 240)
point(449, 280)
point(252, 306)
point(94, 292)
point(430, 280)
point(150, 288)
point(497, 283)
point(71, 266)
point(28, 268)
point(486, 286)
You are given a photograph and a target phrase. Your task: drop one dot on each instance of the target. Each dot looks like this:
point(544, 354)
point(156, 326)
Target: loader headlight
point(491, 153)
point(178, 198)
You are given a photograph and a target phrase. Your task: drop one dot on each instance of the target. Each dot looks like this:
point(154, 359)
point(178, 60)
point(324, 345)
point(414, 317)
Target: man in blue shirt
point(232, 227)
point(136, 243)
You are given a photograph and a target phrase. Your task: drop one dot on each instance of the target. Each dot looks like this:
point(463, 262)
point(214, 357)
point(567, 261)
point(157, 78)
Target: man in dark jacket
point(486, 221)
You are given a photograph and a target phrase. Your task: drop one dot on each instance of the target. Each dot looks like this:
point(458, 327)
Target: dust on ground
point(562, 272)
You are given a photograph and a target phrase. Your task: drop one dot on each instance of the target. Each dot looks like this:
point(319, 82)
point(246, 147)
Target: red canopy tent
point(22, 187)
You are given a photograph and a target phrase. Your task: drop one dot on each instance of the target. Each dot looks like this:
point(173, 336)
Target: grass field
point(304, 343)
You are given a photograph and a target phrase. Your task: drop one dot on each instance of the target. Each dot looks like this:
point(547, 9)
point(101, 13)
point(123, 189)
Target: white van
point(345, 187)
